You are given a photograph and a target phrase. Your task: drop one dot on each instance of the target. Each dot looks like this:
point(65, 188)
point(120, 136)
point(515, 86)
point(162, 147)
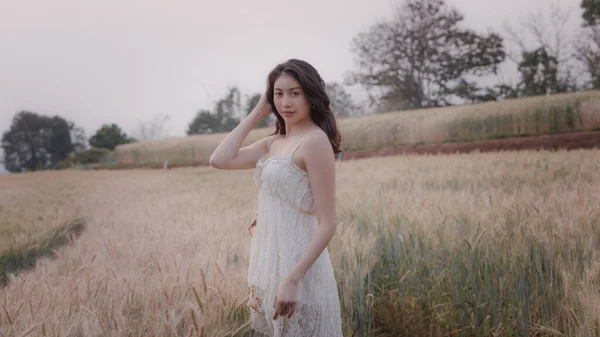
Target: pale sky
point(125, 61)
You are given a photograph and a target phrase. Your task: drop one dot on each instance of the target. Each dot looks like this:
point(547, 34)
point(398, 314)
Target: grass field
point(520, 117)
point(501, 244)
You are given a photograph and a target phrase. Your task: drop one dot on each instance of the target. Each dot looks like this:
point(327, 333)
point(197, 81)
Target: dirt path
point(568, 141)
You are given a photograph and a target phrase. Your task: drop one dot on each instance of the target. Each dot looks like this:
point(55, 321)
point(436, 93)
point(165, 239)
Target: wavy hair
point(314, 89)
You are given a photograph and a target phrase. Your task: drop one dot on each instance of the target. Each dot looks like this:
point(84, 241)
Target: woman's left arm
point(320, 166)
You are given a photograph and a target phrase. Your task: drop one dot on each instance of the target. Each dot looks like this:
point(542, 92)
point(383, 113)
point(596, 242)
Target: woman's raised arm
point(229, 156)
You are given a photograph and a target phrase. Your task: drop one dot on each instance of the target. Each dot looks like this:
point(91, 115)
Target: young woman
point(293, 291)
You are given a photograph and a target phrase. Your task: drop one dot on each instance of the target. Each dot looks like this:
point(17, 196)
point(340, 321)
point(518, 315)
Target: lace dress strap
point(300, 142)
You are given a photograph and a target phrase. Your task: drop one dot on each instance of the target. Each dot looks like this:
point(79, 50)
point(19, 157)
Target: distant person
point(293, 291)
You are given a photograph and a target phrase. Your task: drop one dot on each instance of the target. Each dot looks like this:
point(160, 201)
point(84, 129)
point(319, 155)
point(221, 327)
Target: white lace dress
point(285, 223)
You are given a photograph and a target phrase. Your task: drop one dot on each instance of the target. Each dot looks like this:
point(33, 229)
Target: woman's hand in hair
point(262, 108)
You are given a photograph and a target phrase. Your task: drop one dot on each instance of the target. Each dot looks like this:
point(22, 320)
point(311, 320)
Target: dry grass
point(467, 245)
point(38, 215)
point(521, 117)
point(37, 200)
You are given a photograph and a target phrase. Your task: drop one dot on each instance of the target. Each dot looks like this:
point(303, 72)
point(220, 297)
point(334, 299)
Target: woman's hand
point(262, 108)
point(286, 299)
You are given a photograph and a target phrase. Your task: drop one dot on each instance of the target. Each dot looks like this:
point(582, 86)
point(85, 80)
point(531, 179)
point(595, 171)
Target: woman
point(292, 286)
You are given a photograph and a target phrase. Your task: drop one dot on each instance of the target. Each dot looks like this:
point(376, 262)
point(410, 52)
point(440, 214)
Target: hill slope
point(511, 118)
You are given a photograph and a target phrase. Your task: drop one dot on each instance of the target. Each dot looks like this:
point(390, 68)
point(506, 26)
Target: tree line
point(422, 57)
point(37, 142)
point(231, 108)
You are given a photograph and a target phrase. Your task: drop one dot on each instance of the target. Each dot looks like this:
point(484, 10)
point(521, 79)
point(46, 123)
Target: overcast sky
point(125, 61)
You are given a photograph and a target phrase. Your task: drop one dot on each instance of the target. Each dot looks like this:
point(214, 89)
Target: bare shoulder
point(317, 144)
point(317, 153)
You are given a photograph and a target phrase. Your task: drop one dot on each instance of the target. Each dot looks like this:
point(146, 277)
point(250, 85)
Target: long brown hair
point(314, 88)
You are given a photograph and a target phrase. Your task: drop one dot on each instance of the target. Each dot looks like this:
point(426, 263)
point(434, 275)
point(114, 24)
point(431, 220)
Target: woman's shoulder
point(318, 141)
point(316, 136)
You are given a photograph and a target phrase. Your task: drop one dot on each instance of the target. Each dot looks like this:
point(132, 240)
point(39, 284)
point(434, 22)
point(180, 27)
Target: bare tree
point(588, 53)
point(341, 101)
point(153, 128)
point(544, 41)
point(588, 43)
point(591, 12)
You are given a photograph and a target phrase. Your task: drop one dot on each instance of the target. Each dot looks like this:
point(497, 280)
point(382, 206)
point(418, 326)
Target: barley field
point(494, 244)
point(516, 117)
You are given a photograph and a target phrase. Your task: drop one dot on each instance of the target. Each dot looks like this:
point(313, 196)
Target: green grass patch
point(490, 284)
point(16, 259)
point(553, 119)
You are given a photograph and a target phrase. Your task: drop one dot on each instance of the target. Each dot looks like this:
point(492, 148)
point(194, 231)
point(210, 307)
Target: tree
point(543, 50)
point(153, 128)
point(341, 101)
point(591, 12)
point(78, 137)
point(35, 142)
point(204, 122)
point(423, 58)
point(225, 117)
point(588, 53)
point(109, 136)
point(229, 108)
point(588, 46)
point(539, 72)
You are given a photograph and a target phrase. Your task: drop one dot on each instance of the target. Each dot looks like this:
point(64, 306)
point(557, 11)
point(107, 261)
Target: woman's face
point(289, 99)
